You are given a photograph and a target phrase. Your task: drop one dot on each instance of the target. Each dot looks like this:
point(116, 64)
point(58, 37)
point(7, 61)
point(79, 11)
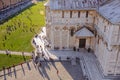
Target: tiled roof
point(74, 4)
point(111, 11)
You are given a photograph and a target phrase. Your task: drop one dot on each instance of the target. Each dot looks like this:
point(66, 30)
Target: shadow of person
point(28, 65)
point(45, 73)
point(22, 69)
point(47, 64)
point(4, 73)
point(14, 70)
point(10, 72)
point(40, 71)
point(34, 64)
point(53, 64)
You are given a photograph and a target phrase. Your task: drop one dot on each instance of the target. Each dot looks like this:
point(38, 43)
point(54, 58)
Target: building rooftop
point(74, 4)
point(111, 11)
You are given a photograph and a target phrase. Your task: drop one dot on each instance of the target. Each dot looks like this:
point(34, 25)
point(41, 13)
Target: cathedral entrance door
point(82, 43)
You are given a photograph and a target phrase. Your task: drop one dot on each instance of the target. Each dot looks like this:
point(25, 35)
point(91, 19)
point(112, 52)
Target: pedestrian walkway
point(15, 53)
point(40, 43)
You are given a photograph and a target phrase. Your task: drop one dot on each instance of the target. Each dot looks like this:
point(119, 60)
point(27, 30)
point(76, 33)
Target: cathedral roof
point(111, 11)
point(74, 4)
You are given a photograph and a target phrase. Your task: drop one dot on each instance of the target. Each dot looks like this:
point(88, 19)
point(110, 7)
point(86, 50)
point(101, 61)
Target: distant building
point(9, 3)
point(88, 24)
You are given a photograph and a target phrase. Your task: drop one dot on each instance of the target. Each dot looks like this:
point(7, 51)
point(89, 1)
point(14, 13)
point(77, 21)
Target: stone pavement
point(87, 60)
point(47, 71)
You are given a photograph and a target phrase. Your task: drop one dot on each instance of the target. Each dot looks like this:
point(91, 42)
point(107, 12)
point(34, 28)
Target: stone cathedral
point(86, 24)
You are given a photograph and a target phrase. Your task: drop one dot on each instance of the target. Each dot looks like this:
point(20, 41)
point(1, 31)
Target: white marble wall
point(107, 54)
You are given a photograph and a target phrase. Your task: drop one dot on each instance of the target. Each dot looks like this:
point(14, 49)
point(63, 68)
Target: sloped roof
point(84, 32)
point(111, 11)
point(74, 4)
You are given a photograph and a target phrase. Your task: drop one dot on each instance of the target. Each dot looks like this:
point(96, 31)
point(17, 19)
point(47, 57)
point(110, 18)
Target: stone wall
point(106, 51)
point(106, 42)
point(72, 17)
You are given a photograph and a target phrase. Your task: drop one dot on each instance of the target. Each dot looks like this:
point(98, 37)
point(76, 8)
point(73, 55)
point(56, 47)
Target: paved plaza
point(47, 71)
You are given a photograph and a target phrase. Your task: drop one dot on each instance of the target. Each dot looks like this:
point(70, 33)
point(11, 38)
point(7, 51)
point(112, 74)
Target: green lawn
point(16, 33)
point(7, 61)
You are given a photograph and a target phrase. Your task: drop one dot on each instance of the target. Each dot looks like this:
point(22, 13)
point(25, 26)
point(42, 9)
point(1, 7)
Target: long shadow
point(42, 70)
point(15, 73)
point(74, 71)
point(53, 64)
point(34, 64)
point(4, 74)
point(28, 65)
point(23, 69)
point(46, 64)
point(45, 73)
point(10, 72)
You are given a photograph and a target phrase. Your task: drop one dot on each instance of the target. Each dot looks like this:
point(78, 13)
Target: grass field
point(7, 61)
point(16, 33)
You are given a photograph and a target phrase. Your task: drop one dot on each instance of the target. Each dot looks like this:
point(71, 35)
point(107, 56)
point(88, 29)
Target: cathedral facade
point(86, 24)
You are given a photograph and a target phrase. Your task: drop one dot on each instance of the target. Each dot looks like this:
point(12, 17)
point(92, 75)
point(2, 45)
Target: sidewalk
point(16, 53)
